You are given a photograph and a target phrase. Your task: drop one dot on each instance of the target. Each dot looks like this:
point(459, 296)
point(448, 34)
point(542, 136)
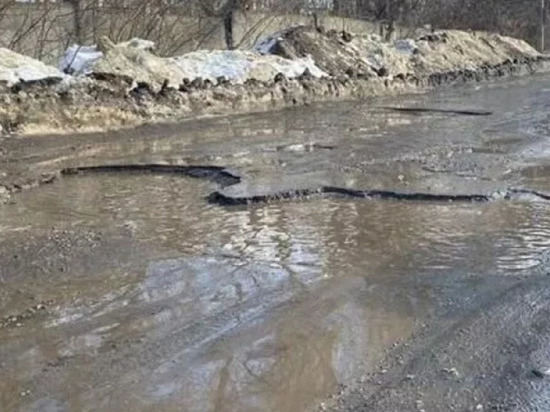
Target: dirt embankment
point(129, 85)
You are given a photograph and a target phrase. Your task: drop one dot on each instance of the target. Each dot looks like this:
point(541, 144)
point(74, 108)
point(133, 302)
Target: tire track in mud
point(224, 178)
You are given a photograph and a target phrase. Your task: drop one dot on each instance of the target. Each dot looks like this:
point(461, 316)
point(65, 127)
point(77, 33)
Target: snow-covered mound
point(79, 60)
point(134, 60)
point(356, 66)
point(15, 68)
point(239, 66)
point(339, 53)
point(296, 50)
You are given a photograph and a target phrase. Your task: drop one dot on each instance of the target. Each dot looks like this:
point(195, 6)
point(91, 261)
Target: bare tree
point(78, 18)
point(226, 10)
point(43, 29)
point(228, 21)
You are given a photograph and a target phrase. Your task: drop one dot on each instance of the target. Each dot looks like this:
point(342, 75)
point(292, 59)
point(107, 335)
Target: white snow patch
point(406, 46)
point(295, 68)
point(375, 59)
point(79, 59)
point(239, 66)
point(15, 67)
point(235, 65)
point(211, 65)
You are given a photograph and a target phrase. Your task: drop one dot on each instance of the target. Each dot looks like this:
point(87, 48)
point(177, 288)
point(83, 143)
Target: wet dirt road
point(130, 291)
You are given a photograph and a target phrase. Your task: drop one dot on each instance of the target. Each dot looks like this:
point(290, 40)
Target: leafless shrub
point(34, 29)
point(43, 29)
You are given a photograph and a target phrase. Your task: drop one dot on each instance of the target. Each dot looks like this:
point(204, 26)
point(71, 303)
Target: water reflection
point(294, 355)
point(261, 308)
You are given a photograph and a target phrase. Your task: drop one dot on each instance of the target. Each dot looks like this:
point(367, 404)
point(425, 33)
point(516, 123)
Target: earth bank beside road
point(127, 85)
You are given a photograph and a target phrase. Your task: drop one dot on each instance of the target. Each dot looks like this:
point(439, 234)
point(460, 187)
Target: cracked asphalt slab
point(127, 290)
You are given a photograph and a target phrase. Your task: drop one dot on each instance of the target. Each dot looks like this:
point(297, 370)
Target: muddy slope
point(113, 97)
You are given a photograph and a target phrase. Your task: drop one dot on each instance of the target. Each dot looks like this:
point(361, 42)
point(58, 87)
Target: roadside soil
point(130, 86)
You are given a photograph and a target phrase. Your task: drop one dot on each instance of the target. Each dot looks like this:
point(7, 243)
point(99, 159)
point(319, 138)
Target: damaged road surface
point(122, 287)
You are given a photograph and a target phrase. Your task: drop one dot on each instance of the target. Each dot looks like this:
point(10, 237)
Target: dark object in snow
point(279, 78)
point(538, 374)
point(347, 37)
point(382, 72)
point(431, 110)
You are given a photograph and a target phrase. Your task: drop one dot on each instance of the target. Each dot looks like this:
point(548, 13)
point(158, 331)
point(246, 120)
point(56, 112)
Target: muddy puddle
point(125, 291)
point(259, 308)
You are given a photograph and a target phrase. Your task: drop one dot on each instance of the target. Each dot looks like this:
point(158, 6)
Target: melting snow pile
point(80, 59)
point(239, 66)
point(290, 52)
point(295, 50)
point(134, 60)
point(15, 68)
point(339, 53)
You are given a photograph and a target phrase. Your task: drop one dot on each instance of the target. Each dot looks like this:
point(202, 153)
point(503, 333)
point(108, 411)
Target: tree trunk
point(316, 20)
point(228, 30)
point(228, 20)
point(542, 24)
point(78, 16)
point(338, 7)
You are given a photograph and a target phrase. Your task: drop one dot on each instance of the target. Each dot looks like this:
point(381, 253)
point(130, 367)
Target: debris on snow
point(138, 43)
point(448, 50)
point(78, 60)
point(264, 46)
point(134, 60)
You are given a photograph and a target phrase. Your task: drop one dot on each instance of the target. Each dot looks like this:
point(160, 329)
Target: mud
point(122, 288)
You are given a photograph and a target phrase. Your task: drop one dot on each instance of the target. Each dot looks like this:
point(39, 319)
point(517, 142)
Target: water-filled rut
point(225, 178)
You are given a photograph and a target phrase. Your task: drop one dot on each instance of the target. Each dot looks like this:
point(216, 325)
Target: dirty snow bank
point(15, 68)
point(339, 53)
point(126, 83)
point(135, 60)
point(79, 60)
point(296, 50)
point(240, 66)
